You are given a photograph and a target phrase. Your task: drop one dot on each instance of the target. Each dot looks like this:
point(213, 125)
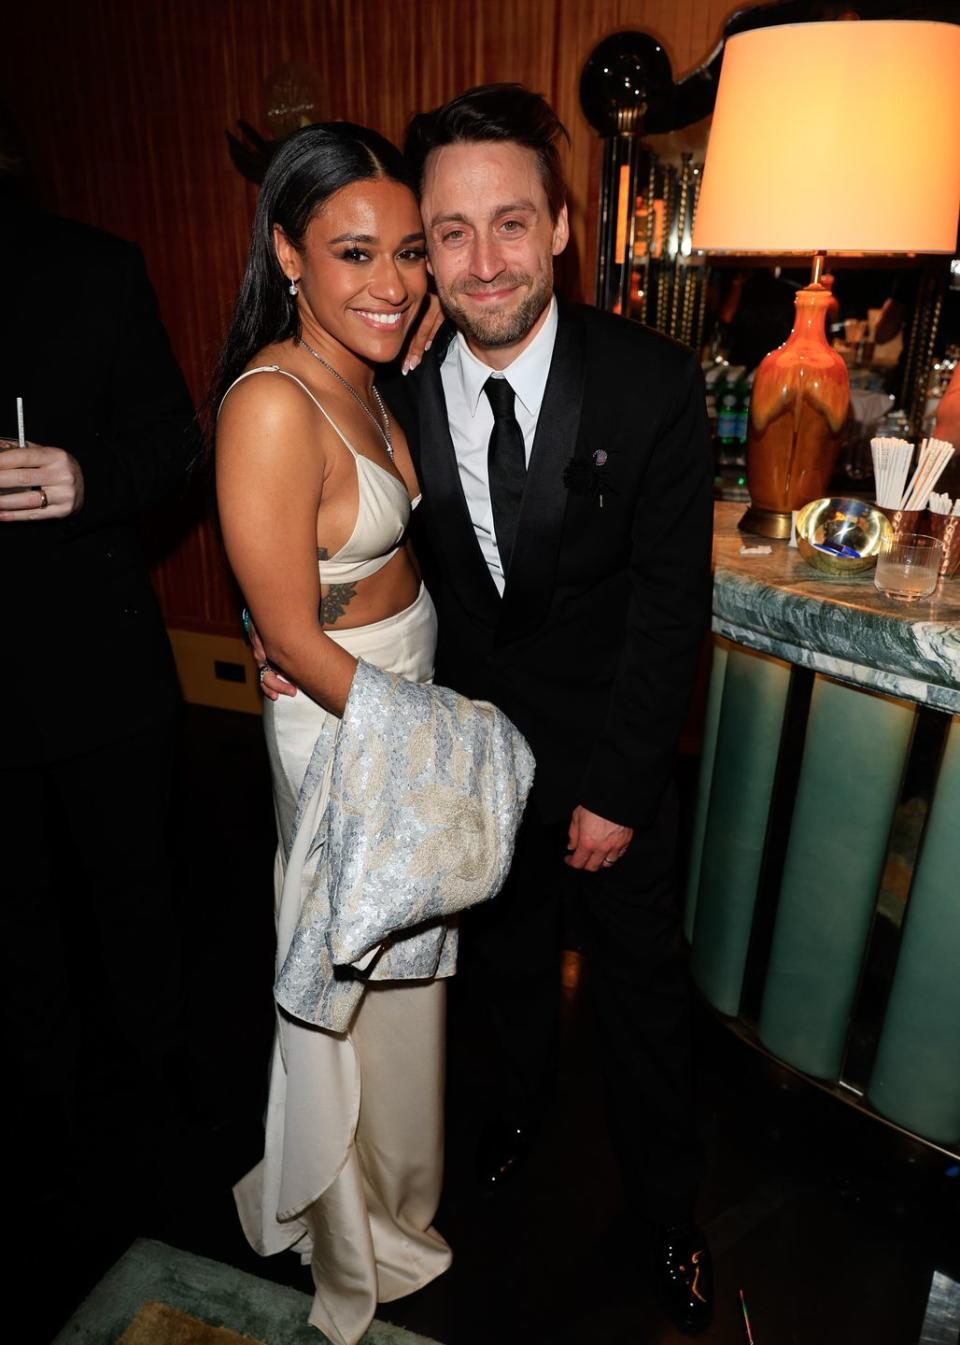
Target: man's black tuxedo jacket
point(592, 649)
point(84, 653)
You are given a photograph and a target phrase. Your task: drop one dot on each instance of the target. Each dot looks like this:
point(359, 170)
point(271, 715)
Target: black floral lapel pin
point(590, 475)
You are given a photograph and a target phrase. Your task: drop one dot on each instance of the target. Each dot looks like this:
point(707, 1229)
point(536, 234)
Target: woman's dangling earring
point(293, 287)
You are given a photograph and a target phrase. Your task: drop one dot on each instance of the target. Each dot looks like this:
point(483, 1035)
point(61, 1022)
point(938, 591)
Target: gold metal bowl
point(846, 522)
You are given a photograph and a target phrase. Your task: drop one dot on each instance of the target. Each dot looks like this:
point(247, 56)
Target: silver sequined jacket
point(408, 814)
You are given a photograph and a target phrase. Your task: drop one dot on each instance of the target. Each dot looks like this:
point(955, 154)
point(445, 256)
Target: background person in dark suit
point(90, 978)
point(564, 533)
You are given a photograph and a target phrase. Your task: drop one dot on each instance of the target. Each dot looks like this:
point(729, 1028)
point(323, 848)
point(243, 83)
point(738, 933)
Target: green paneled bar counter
point(823, 896)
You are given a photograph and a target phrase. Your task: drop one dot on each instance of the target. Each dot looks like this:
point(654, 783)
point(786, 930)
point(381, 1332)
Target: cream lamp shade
point(836, 137)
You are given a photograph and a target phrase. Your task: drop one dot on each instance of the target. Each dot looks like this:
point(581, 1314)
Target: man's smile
point(490, 296)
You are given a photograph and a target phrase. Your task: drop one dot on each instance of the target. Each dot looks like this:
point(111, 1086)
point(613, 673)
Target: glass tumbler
point(4, 445)
point(908, 566)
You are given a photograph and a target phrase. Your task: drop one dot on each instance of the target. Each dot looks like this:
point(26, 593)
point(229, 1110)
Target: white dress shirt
point(471, 420)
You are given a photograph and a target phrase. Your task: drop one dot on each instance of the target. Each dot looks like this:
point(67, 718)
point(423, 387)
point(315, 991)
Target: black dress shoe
point(503, 1151)
point(684, 1274)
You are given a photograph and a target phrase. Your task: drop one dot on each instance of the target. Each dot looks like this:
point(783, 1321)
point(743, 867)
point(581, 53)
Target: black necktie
point(506, 466)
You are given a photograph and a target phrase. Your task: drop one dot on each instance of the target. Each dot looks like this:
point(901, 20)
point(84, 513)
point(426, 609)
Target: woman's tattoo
point(333, 606)
point(335, 602)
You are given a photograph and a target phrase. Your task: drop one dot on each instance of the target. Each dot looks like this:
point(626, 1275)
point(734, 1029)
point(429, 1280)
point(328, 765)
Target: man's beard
point(504, 328)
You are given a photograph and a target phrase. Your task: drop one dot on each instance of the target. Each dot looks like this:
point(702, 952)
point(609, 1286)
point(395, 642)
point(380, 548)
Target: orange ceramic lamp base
point(797, 409)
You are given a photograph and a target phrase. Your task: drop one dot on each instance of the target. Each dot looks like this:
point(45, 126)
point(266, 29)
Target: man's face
point(490, 239)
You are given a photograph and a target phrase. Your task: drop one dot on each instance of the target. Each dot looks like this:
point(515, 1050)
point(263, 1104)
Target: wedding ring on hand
point(262, 671)
point(43, 496)
point(607, 863)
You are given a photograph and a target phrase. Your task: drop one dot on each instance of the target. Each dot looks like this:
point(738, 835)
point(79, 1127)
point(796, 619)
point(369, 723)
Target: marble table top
point(845, 628)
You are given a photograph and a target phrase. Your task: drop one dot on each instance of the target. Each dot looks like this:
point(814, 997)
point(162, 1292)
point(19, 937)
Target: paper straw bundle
point(942, 504)
point(891, 462)
point(934, 456)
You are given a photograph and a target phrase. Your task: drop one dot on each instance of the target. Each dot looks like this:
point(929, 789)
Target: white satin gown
point(353, 1159)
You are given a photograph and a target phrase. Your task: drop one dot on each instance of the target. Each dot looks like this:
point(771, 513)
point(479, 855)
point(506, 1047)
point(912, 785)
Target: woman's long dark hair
point(304, 171)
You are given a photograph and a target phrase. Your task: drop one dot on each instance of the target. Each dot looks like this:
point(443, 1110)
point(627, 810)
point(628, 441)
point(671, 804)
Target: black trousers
point(90, 939)
point(629, 922)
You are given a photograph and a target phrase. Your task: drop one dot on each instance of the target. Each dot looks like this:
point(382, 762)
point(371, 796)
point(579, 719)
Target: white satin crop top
point(384, 508)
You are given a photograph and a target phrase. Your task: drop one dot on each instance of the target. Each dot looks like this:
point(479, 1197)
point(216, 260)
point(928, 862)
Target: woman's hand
point(47, 482)
point(272, 684)
point(429, 323)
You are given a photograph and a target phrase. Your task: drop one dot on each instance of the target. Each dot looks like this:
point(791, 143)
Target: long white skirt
point(353, 1161)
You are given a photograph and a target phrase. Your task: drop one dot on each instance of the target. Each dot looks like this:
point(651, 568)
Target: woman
point(315, 488)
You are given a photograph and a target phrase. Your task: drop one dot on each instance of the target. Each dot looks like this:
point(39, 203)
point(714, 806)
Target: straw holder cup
point(946, 527)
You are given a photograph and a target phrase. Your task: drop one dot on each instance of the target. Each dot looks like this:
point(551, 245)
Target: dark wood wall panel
point(123, 105)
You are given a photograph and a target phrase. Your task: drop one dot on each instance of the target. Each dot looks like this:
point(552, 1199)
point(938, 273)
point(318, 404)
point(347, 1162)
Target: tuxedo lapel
point(533, 567)
point(450, 527)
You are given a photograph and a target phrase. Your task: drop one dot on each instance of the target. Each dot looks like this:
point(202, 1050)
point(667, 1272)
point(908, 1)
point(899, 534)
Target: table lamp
point(839, 138)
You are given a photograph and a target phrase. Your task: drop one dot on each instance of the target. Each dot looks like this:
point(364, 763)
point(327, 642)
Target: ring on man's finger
point(608, 863)
point(262, 671)
point(43, 497)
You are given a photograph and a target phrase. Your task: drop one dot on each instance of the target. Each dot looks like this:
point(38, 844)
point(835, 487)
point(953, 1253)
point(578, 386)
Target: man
point(91, 696)
point(564, 533)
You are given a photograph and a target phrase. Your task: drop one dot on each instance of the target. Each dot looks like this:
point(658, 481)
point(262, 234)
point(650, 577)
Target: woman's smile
point(376, 317)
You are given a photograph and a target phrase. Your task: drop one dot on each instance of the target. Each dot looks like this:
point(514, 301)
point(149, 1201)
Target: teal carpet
point(212, 1292)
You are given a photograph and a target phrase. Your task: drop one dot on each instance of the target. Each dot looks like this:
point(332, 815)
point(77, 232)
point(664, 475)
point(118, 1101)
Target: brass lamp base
point(766, 523)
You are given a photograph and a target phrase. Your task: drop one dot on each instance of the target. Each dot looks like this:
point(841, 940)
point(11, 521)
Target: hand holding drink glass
point(37, 482)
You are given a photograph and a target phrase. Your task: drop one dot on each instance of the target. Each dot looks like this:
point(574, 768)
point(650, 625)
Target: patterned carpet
point(157, 1295)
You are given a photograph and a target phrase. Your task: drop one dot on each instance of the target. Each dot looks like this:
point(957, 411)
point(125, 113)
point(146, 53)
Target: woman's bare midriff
point(384, 594)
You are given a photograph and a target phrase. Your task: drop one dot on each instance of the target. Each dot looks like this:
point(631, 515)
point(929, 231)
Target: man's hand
point(26, 470)
point(426, 329)
point(593, 842)
point(271, 683)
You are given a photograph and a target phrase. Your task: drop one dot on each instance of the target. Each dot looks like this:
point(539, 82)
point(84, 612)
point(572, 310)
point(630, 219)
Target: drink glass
point(4, 445)
point(908, 566)
point(19, 442)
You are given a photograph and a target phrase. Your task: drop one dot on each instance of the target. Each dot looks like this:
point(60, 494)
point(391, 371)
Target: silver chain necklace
point(383, 425)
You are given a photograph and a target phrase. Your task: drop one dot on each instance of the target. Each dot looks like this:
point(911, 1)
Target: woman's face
point(361, 270)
